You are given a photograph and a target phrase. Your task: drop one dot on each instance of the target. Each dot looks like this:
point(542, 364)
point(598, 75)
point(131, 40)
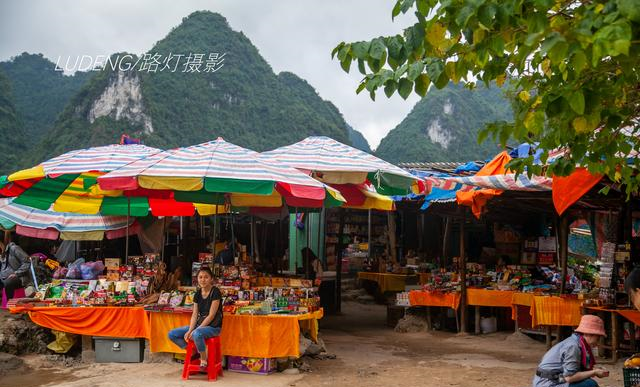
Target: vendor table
point(613, 342)
point(242, 335)
point(429, 299)
point(387, 282)
point(489, 298)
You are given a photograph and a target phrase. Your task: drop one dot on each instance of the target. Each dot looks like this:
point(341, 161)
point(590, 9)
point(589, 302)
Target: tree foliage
point(573, 66)
point(40, 92)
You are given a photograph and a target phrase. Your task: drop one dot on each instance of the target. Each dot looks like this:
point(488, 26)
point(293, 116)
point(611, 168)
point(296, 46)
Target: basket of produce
point(631, 371)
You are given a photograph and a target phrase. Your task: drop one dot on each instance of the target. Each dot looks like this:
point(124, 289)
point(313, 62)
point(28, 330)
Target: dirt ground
point(368, 354)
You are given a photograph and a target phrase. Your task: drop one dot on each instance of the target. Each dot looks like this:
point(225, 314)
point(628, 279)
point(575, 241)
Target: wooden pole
point(445, 238)
point(391, 223)
point(563, 239)
point(369, 235)
point(463, 276)
point(340, 247)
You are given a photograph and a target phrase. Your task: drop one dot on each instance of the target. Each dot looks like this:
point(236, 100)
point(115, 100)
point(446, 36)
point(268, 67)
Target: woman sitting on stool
point(206, 319)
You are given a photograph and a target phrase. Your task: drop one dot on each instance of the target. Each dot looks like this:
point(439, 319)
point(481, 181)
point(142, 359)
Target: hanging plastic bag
point(63, 343)
point(74, 269)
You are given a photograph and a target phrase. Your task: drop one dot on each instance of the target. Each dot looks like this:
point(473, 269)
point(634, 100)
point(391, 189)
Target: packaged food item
point(176, 298)
point(164, 298)
point(188, 297)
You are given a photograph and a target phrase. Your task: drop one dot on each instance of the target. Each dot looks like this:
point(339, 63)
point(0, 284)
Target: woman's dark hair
point(207, 270)
point(632, 282)
point(307, 253)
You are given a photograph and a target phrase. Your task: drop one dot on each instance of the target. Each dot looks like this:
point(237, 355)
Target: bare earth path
point(368, 354)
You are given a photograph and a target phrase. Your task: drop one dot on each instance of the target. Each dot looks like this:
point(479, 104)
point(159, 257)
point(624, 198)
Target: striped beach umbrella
point(214, 173)
point(68, 183)
point(37, 223)
point(335, 163)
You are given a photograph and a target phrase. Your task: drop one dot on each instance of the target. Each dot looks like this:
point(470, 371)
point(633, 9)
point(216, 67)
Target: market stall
point(263, 314)
point(389, 282)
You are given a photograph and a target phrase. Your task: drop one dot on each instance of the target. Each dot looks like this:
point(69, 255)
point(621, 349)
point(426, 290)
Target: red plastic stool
point(214, 359)
point(18, 293)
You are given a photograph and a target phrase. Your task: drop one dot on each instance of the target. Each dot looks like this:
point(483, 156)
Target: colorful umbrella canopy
point(33, 222)
point(68, 183)
point(335, 163)
point(96, 159)
point(209, 172)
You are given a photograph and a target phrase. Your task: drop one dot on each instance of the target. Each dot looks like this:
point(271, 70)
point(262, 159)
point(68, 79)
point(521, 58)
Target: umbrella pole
point(233, 236)
point(308, 231)
point(295, 256)
point(215, 231)
point(252, 239)
point(126, 243)
point(320, 215)
point(179, 239)
point(164, 236)
point(369, 236)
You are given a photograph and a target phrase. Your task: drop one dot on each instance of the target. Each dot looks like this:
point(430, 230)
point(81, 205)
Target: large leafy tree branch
point(573, 66)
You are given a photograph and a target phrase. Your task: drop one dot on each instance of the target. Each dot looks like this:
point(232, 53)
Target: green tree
point(572, 66)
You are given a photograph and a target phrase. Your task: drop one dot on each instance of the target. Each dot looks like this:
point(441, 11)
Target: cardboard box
point(546, 258)
point(251, 365)
point(112, 263)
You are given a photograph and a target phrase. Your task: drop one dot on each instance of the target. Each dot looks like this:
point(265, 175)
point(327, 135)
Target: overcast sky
point(292, 35)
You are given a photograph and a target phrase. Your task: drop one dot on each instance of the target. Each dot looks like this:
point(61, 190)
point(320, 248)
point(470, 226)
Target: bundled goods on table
point(100, 292)
point(246, 292)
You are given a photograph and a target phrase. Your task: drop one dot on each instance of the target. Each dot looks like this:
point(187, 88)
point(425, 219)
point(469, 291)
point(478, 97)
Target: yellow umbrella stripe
point(29, 173)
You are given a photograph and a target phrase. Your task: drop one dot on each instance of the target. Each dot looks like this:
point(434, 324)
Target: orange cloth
point(552, 310)
point(386, 282)
point(242, 335)
point(94, 321)
point(422, 298)
point(484, 297)
point(631, 315)
point(524, 299)
point(478, 199)
point(567, 190)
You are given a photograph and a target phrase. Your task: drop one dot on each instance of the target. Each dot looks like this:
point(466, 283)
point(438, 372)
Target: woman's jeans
point(199, 335)
point(585, 383)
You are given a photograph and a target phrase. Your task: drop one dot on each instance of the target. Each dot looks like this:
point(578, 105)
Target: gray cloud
point(292, 35)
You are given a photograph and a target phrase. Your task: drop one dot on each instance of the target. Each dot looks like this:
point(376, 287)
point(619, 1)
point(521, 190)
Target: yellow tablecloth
point(423, 298)
point(485, 297)
point(387, 282)
point(242, 335)
point(553, 310)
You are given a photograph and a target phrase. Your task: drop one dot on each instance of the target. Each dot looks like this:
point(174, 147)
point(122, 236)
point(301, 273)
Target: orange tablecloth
point(387, 282)
point(631, 315)
point(422, 298)
point(242, 335)
point(102, 321)
point(552, 310)
point(524, 299)
point(484, 297)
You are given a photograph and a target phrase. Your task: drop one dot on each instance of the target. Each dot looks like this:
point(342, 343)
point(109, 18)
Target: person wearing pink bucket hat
point(570, 363)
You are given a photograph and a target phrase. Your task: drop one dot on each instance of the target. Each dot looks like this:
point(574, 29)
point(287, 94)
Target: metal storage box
point(118, 350)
